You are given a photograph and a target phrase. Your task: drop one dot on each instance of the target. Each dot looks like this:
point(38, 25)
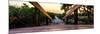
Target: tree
point(88, 11)
point(21, 16)
point(65, 7)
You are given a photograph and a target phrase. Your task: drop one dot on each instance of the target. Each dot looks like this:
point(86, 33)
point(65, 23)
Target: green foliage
point(86, 12)
point(65, 7)
point(20, 17)
point(25, 16)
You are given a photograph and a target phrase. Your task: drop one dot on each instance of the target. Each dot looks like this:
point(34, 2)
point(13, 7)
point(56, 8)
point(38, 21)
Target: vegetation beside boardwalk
point(25, 16)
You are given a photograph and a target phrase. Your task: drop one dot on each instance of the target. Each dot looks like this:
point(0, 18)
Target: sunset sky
point(50, 7)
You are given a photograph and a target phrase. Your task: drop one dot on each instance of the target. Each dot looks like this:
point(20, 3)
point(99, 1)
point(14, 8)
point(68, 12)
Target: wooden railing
point(41, 9)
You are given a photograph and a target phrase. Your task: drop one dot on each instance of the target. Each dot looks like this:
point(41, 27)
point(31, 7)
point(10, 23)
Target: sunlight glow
point(50, 7)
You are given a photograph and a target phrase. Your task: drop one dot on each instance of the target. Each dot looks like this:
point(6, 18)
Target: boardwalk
point(58, 27)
